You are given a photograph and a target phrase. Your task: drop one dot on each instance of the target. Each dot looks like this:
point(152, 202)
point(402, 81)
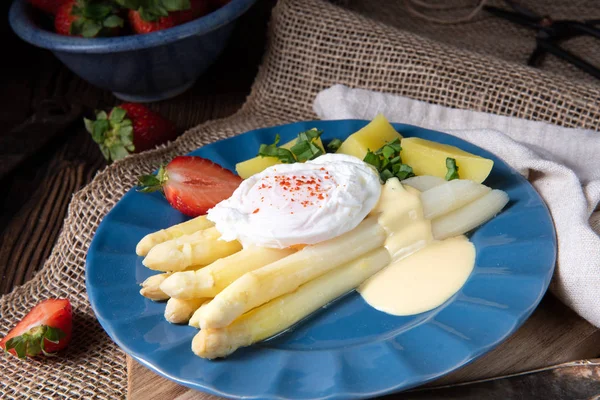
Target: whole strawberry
point(198, 8)
point(129, 128)
point(140, 25)
point(147, 16)
point(87, 18)
point(48, 6)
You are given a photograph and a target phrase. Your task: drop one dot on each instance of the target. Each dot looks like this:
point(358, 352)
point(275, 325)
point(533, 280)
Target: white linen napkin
point(567, 162)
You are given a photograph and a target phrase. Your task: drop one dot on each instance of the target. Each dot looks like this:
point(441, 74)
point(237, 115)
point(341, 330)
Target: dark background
point(58, 158)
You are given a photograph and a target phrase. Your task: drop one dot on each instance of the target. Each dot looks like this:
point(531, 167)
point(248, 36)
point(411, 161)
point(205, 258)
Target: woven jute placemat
point(486, 34)
point(312, 45)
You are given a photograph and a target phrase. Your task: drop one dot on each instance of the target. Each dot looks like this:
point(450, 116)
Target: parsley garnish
point(452, 169)
point(388, 163)
point(271, 150)
point(303, 150)
point(334, 145)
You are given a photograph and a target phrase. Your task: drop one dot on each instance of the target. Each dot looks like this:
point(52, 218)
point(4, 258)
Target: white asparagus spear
point(199, 248)
point(175, 231)
point(212, 279)
point(179, 311)
point(195, 318)
point(151, 287)
point(423, 182)
point(469, 217)
point(284, 276)
point(450, 196)
point(281, 313)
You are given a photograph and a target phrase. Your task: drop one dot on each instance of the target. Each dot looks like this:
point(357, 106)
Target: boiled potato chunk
point(429, 158)
point(246, 169)
point(372, 137)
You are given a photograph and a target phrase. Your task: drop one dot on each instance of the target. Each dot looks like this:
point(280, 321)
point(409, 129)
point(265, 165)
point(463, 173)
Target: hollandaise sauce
point(424, 273)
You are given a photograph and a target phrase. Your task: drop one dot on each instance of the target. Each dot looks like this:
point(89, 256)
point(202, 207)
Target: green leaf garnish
point(405, 171)
point(388, 162)
point(271, 150)
point(452, 169)
point(309, 135)
point(304, 149)
point(334, 145)
point(373, 159)
point(388, 152)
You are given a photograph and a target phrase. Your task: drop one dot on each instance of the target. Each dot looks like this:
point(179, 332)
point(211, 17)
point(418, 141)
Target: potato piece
point(429, 158)
point(246, 169)
point(372, 137)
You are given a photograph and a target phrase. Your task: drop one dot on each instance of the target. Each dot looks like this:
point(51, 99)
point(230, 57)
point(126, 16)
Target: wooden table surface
point(37, 191)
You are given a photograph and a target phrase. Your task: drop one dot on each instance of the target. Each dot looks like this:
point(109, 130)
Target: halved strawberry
point(46, 329)
point(192, 185)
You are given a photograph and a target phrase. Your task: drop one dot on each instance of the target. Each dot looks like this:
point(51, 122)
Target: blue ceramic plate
point(347, 350)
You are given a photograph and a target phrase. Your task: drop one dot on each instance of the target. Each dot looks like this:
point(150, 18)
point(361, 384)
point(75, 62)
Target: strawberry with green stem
point(192, 185)
point(129, 128)
point(88, 18)
point(147, 16)
point(45, 330)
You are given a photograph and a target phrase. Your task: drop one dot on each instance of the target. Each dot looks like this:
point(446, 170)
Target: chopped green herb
point(388, 152)
point(388, 162)
point(309, 135)
point(303, 150)
point(452, 169)
point(334, 145)
point(271, 150)
point(306, 150)
point(404, 172)
point(373, 159)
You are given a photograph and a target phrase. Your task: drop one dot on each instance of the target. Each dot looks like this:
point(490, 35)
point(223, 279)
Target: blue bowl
point(139, 68)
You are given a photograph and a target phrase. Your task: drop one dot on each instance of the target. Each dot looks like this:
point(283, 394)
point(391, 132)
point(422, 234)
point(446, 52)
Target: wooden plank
point(552, 335)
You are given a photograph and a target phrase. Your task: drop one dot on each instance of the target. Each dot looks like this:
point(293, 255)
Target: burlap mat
point(312, 45)
point(490, 35)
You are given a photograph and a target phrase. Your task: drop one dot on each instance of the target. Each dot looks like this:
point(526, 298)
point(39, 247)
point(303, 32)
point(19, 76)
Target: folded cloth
point(565, 164)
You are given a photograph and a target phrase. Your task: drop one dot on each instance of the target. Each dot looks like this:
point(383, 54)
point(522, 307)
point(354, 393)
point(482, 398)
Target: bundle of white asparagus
point(240, 296)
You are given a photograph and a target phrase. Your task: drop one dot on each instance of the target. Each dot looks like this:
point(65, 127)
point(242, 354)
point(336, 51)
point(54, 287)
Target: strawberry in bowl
point(141, 50)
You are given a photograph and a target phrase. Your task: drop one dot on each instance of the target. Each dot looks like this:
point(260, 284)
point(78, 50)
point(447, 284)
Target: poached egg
point(299, 204)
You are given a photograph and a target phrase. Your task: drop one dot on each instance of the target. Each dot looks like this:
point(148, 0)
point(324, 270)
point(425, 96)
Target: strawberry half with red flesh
point(45, 330)
point(129, 128)
point(88, 19)
point(192, 185)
